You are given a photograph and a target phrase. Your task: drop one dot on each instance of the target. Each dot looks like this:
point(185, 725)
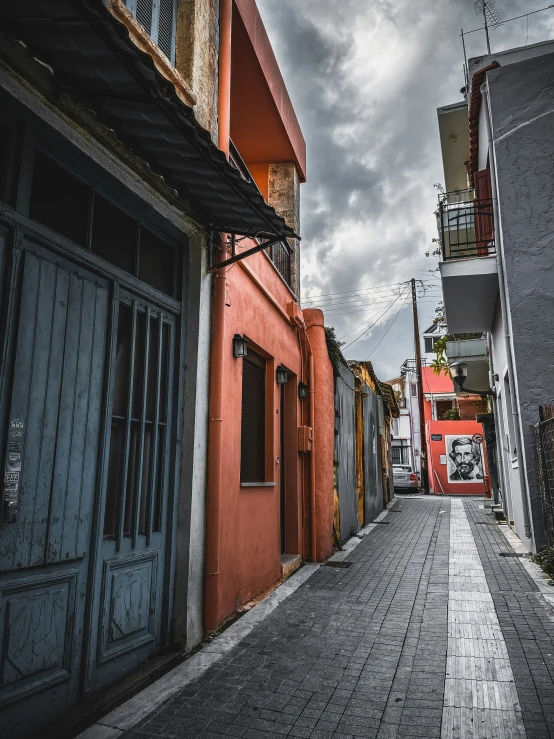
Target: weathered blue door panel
point(128, 587)
point(54, 403)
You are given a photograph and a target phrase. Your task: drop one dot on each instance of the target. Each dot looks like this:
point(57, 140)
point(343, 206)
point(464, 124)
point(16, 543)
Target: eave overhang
point(93, 58)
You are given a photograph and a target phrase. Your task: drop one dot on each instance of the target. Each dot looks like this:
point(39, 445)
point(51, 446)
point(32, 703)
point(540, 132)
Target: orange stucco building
point(456, 452)
point(265, 497)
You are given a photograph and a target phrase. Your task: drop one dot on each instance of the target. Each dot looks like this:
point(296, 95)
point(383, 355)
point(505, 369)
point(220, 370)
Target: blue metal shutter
point(166, 26)
point(144, 14)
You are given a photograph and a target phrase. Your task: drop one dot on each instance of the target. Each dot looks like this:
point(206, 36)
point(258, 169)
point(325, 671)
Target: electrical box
point(305, 439)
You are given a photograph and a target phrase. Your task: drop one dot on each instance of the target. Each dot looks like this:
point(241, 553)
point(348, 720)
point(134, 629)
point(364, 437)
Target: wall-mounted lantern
point(303, 390)
point(240, 346)
point(461, 375)
point(282, 375)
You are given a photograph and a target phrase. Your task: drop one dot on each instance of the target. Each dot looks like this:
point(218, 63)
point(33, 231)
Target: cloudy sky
point(366, 78)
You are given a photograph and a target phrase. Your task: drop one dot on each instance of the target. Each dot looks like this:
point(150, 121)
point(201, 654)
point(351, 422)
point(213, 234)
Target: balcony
point(280, 253)
point(468, 268)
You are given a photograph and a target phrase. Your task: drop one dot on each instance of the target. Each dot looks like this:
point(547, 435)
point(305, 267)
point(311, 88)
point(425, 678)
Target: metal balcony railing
point(465, 225)
point(280, 253)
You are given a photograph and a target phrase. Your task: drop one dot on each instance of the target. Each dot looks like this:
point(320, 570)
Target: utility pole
point(419, 371)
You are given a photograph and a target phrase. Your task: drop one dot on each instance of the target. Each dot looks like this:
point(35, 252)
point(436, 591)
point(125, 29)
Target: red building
point(455, 447)
point(269, 504)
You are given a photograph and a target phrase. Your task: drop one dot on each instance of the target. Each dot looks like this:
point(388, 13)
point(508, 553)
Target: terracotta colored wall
point(436, 448)
point(470, 406)
point(250, 516)
point(324, 433)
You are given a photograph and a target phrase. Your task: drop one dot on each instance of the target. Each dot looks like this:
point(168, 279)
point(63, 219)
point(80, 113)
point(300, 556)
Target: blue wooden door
point(51, 396)
point(130, 573)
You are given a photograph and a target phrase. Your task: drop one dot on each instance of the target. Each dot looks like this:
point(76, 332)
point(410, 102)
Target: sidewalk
point(427, 632)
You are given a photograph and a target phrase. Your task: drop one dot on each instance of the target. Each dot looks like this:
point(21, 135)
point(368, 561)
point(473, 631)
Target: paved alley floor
point(428, 632)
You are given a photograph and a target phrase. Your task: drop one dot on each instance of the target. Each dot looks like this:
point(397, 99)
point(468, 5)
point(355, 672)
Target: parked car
point(404, 477)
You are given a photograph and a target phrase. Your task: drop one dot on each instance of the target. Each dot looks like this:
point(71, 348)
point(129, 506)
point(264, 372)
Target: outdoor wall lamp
point(282, 375)
point(461, 374)
point(240, 346)
point(303, 390)
point(459, 380)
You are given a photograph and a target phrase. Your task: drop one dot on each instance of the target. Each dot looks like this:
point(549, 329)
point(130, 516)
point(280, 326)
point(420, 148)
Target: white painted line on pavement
point(480, 695)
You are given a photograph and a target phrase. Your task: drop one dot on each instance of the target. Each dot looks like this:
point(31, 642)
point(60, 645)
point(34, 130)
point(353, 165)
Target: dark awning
point(93, 57)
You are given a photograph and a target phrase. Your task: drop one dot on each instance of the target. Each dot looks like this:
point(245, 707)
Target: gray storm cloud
point(366, 79)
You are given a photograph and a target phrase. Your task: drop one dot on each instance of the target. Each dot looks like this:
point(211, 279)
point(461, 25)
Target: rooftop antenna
point(490, 16)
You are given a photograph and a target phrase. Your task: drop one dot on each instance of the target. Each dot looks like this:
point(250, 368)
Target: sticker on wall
point(465, 462)
point(12, 471)
point(436, 437)
point(443, 459)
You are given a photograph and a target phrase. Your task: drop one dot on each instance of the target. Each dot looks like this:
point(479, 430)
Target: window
point(65, 204)
point(252, 445)
point(430, 342)
point(157, 17)
point(413, 389)
point(114, 235)
point(59, 200)
point(400, 452)
point(395, 426)
point(5, 145)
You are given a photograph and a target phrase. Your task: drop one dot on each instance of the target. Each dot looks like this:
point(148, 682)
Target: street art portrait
point(465, 462)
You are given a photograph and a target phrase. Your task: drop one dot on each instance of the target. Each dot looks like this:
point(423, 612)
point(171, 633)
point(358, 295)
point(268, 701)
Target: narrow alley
point(427, 629)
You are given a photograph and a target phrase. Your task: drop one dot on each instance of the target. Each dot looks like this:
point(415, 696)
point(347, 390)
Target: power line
point(331, 298)
point(347, 311)
point(376, 288)
point(373, 324)
point(386, 332)
point(358, 301)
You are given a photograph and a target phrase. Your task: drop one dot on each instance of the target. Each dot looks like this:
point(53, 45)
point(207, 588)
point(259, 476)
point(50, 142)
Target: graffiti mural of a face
point(464, 459)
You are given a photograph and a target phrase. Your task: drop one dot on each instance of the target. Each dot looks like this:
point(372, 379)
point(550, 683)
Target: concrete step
point(289, 564)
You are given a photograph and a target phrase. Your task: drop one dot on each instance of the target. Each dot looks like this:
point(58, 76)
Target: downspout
point(211, 597)
point(303, 334)
point(505, 323)
point(313, 519)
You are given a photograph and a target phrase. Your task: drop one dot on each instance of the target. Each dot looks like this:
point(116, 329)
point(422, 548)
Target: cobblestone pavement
point(429, 633)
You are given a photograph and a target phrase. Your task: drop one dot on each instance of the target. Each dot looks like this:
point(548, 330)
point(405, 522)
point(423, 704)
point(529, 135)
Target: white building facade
point(496, 227)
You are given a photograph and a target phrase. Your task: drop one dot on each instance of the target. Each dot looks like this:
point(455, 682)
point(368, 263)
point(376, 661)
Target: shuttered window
point(157, 17)
point(252, 448)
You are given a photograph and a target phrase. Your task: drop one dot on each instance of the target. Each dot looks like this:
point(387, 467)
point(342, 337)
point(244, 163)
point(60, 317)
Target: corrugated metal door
point(373, 492)
point(346, 473)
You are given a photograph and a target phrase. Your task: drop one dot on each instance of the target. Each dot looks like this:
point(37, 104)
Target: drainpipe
point(215, 477)
point(505, 322)
point(309, 367)
point(313, 519)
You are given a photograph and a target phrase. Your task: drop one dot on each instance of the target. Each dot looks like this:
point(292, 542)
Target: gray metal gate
point(346, 450)
point(373, 480)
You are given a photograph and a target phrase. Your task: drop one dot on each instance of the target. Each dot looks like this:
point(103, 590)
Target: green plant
point(545, 558)
point(452, 414)
point(334, 349)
